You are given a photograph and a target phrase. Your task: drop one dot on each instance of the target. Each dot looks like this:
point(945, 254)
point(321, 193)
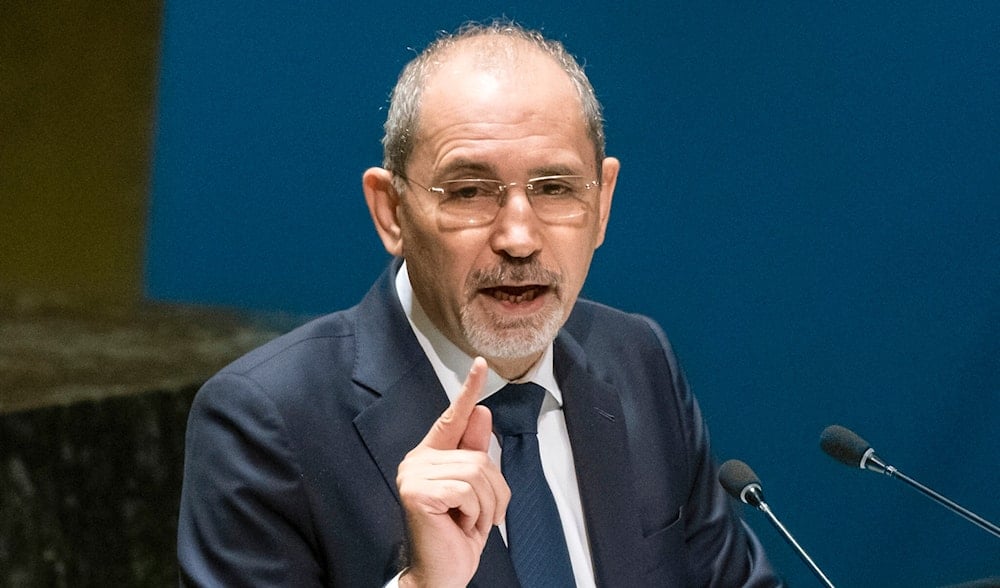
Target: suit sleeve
point(243, 517)
point(722, 550)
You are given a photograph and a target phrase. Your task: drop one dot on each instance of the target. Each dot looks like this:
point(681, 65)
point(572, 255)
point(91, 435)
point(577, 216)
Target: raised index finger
point(448, 429)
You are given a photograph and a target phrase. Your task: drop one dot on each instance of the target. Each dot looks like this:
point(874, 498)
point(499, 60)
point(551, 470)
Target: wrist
point(408, 579)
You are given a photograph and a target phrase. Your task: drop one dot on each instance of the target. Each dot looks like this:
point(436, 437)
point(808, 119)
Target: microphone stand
point(756, 498)
point(872, 462)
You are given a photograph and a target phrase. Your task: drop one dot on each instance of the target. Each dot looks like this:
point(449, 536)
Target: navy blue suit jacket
point(292, 453)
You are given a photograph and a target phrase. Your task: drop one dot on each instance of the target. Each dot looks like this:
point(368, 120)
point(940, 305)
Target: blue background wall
point(809, 203)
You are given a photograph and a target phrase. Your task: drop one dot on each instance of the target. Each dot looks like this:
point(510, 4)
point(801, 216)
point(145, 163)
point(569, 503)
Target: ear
point(609, 177)
point(383, 204)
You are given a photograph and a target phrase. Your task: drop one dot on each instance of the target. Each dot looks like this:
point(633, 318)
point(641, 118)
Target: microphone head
point(736, 476)
point(844, 445)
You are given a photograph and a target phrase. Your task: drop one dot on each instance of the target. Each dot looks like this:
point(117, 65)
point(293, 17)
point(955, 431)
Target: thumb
point(448, 430)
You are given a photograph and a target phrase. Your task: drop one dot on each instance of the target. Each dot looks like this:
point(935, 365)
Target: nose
point(517, 231)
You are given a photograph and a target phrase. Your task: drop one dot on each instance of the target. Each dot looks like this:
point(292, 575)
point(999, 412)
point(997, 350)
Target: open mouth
point(515, 294)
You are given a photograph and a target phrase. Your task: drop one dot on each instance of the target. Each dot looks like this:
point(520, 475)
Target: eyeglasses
point(475, 202)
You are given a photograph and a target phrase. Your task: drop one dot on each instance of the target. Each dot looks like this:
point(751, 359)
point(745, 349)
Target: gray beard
point(512, 339)
point(501, 338)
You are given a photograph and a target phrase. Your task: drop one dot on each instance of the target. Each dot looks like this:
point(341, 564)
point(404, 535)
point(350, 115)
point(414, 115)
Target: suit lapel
point(409, 397)
point(596, 425)
point(391, 364)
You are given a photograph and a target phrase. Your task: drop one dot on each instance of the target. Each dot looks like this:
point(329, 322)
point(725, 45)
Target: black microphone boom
point(741, 483)
point(845, 446)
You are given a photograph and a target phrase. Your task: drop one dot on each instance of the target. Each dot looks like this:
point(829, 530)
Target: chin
point(526, 338)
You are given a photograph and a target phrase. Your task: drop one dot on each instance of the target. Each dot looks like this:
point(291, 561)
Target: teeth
point(526, 296)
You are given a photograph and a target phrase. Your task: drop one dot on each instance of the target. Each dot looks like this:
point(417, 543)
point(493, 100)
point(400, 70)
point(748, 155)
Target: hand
point(452, 492)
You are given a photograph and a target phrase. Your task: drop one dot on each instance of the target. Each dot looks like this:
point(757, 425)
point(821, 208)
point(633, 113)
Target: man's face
point(501, 290)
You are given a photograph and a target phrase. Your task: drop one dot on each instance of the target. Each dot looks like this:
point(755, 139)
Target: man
point(352, 451)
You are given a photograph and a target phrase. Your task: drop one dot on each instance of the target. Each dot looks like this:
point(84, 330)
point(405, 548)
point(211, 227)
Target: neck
point(513, 369)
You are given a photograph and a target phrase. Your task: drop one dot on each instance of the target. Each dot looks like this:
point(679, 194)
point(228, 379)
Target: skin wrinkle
point(509, 126)
point(491, 45)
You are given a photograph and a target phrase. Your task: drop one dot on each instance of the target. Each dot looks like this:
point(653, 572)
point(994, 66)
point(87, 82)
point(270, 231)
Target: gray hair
point(404, 103)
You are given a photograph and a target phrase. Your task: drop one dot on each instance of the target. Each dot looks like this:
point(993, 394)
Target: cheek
point(575, 252)
point(418, 239)
point(439, 260)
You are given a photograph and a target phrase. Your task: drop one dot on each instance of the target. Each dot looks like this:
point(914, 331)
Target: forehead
point(500, 93)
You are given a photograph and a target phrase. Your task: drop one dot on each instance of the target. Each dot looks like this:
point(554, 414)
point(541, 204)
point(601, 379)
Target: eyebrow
point(469, 168)
point(465, 167)
point(553, 170)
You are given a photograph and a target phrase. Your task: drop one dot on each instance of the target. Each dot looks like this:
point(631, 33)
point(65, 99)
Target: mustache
point(506, 272)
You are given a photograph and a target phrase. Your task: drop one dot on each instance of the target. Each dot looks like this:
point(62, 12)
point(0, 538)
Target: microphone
point(845, 446)
point(741, 483)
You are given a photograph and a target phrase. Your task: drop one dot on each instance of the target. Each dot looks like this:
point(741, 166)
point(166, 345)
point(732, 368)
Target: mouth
point(516, 294)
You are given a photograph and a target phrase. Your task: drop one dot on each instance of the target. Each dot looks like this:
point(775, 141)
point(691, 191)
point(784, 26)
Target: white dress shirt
point(452, 366)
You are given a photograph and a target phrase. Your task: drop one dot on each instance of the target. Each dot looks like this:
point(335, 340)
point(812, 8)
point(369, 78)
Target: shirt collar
point(450, 363)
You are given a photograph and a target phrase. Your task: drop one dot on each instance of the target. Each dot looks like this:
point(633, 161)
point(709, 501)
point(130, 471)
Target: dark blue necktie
point(534, 532)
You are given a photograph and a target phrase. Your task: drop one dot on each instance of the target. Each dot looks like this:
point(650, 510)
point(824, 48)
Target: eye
point(555, 186)
point(459, 190)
